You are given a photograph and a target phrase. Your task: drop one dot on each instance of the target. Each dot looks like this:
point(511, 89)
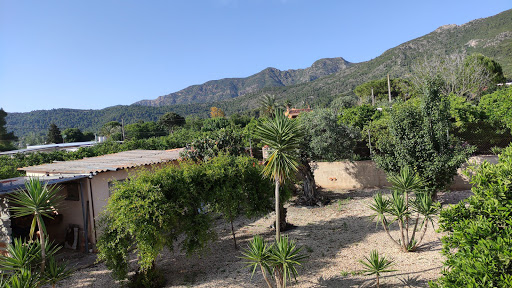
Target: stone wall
point(5, 225)
point(365, 174)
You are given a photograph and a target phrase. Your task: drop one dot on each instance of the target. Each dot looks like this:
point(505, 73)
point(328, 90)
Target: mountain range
point(217, 90)
point(317, 85)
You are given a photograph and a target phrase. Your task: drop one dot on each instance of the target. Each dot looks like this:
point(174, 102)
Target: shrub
point(400, 208)
point(478, 246)
point(280, 259)
point(418, 138)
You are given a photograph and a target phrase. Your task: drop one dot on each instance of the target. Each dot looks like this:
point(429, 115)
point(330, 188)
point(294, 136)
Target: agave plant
point(284, 257)
point(376, 265)
point(39, 200)
point(55, 272)
point(410, 214)
point(256, 255)
point(279, 259)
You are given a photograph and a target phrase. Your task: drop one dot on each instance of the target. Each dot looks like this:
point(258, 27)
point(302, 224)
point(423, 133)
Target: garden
point(223, 219)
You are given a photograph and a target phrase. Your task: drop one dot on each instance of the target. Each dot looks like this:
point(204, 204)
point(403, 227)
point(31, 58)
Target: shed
point(86, 185)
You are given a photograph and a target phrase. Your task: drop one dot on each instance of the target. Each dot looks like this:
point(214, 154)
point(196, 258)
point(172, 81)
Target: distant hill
point(228, 88)
point(317, 85)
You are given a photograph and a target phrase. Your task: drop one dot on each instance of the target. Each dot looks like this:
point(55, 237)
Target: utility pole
point(122, 127)
point(389, 90)
point(373, 99)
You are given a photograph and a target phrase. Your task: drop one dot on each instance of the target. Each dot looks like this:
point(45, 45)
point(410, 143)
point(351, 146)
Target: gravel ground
point(335, 237)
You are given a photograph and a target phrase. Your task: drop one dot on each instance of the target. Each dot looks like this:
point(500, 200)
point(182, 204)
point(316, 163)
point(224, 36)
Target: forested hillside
point(490, 36)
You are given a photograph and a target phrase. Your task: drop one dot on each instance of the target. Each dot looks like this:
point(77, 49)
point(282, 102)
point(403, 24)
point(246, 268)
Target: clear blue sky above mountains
point(98, 53)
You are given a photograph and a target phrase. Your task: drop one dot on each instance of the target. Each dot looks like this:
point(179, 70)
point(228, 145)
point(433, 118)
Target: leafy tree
point(493, 68)
point(477, 247)
point(216, 112)
point(150, 212)
point(5, 137)
point(324, 139)
point(154, 209)
point(283, 136)
point(143, 130)
point(467, 77)
point(359, 116)
point(214, 124)
point(400, 88)
point(112, 130)
point(224, 141)
point(73, 135)
point(418, 138)
point(54, 135)
point(237, 188)
point(171, 120)
point(344, 102)
point(498, 106)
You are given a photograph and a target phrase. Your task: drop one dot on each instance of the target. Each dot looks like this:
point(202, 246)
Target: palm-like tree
point(269, 105)
point(39, 200)
point(283, 136)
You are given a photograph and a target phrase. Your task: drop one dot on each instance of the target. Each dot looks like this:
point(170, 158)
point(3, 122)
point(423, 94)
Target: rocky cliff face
point(233, 87)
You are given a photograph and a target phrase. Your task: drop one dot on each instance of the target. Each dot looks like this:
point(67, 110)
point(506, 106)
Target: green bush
point(155, 208)
point(478, 247)
point(418, 138)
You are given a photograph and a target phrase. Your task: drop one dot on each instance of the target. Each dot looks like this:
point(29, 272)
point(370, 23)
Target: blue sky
point(98, 53)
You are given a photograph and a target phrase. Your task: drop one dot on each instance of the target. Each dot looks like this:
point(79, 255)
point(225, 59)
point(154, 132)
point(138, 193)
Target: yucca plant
point(410, 214)
point(284, 257)
point(23, 279)
point(39, 200)
point(376, 265)
point(256, 255)
point(55, 272)
point(283, 136)
point(20, 256)
point(280, 259)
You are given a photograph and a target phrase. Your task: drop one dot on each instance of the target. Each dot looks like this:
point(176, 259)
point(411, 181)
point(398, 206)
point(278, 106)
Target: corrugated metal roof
point(10, 185)
point(50, 147)
point(111, 162)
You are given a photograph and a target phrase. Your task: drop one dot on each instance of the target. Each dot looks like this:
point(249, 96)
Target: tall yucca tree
point(283, 136)
point(39, 200)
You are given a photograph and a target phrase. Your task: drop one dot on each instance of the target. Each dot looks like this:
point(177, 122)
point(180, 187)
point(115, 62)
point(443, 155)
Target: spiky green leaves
point(36, 199)
point(283, 136)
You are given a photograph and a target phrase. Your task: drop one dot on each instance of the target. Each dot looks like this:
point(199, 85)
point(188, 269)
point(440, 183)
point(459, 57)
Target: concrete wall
point(365, 174)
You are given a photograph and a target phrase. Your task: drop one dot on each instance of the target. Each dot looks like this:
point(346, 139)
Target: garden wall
point(365, 174)
point(5, 226)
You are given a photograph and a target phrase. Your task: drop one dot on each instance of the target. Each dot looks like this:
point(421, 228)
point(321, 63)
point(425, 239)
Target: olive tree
point(325, 138)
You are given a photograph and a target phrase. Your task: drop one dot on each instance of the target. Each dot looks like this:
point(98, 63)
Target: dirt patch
point(334, 236)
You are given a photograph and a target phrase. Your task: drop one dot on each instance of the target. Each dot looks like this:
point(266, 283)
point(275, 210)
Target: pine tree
point(5, 138)
point(54, 135)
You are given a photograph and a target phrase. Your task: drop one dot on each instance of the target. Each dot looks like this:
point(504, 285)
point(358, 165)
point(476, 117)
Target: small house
point(85, 185)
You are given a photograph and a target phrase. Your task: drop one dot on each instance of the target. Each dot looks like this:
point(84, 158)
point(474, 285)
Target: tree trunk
point(384, 225)
point(309, 185)
point(282, 217)
point(233, 233)
point(265, 277)
point(278, 218)
point(43, 245)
